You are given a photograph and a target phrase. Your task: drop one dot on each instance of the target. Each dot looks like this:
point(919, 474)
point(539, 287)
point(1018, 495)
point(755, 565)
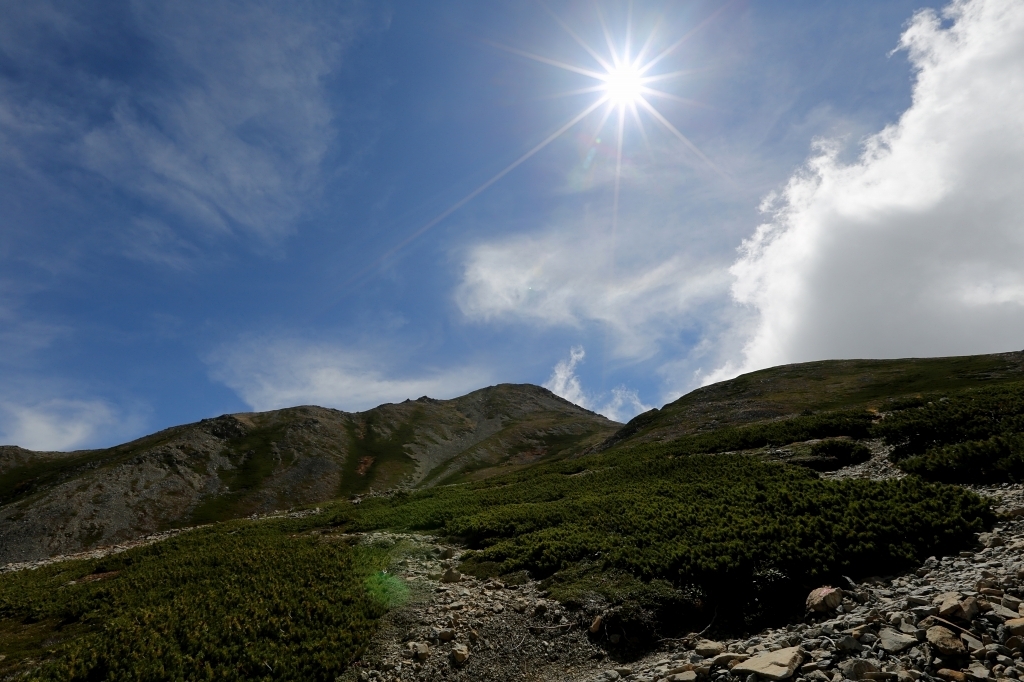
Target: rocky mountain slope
point(241, 464)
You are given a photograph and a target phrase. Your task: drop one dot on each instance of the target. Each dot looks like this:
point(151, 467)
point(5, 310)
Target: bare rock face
point(824, 599)
point(772, 665)
point(945, 641)
point(894, 641)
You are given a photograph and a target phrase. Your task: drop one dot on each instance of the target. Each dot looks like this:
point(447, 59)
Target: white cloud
point(272, 374)
point(623, 404)
point(639, 286)
point(60, 424)
point(916, 248)
point(564, 382)
point(221, 119)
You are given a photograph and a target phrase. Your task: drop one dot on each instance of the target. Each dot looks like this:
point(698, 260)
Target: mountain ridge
point(256, 462)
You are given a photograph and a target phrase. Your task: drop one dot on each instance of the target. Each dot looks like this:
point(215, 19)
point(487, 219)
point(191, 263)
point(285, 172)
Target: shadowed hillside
point(240, 464)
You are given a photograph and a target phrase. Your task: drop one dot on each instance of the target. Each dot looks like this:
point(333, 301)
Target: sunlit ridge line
point(672, 48)
point(591, 51)
point(472, 195)
point(546, 60)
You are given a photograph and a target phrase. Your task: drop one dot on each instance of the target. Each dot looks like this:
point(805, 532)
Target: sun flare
point(624, 85)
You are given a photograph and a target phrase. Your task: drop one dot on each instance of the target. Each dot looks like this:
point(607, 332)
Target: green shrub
point(237, 601)
point(974, 436)
point(712, 527)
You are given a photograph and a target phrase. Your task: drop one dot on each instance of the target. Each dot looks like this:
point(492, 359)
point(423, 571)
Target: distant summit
point(240, 464)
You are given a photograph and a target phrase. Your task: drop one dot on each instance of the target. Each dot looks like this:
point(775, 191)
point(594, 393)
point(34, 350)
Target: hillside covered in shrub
point(683, 535)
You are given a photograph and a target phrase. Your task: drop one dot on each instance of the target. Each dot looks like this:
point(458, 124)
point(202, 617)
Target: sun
point(624, 80)
point(624, 85)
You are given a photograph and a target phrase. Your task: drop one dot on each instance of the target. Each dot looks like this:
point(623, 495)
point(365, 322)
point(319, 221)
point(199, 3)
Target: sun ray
point(618, 170)
point(571, 93)
point(604, 119)
point(685, 140)
point(546, 60)
point(476, 192)
point(607, 37)
point(674, 46)
point(650, 39)
point(640, 126)
point(629, 33)
point(673, 74)
point(582, 43)
point(677, 98)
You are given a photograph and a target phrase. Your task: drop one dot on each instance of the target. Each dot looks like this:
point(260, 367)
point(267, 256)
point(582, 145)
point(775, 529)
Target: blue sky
point(214, 207)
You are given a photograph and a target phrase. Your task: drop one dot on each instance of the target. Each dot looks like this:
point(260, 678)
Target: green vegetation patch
point(714, 529)
point(972, 436)
point(275, 599)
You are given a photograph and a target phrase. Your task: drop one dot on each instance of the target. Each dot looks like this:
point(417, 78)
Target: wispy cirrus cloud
point(915, 248)
point(218, 124)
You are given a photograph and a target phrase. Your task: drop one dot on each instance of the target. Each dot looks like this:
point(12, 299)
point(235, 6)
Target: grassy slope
point(274, 599)
point(816, 386)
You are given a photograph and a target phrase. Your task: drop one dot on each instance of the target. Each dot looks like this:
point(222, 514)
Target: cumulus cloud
point(272, 374)
point(640, 287)
point(59, 424)
point(622, 405)
point(915, 248)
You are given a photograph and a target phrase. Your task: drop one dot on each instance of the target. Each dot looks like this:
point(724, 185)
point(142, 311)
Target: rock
point(1015, 626)
point(824, 599)
point(894, 641)
point(451, 576)
point(447, 553)
point(446, 635)
point(460, 653)
point(685, 676)
point(990, 540)
point(857, 668)
point(1011, 602)
point(848, 644)
point(1000, 613)
point(520, 606)
point(950, 609)
point(727, 660)
point(952, 675)
point(540, 608)
point(945, 641)
point(970, 608)
point(419, 650)
point(977, 671)
point(773, 665)
point(709, 649)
